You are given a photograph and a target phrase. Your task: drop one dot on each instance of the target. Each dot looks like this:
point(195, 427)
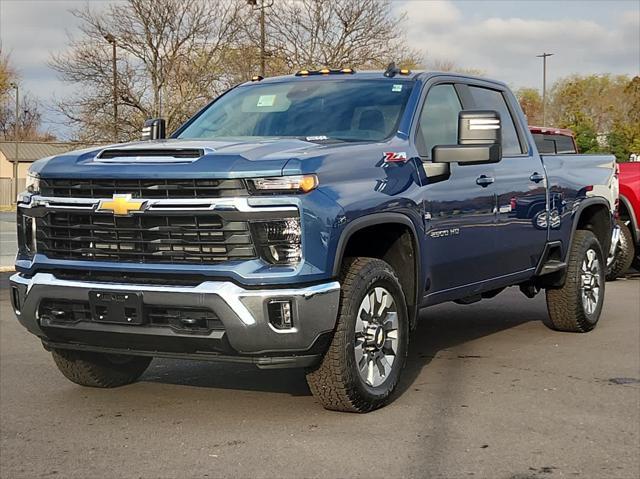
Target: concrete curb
point(7, 269)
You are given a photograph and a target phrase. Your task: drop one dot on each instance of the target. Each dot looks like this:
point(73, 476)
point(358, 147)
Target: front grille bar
point(180, 204)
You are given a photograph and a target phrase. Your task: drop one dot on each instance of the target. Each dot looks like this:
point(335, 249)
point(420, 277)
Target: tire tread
point(332, 382)
point(95, 370)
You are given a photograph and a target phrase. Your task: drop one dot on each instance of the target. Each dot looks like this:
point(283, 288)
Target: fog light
point(280, 313)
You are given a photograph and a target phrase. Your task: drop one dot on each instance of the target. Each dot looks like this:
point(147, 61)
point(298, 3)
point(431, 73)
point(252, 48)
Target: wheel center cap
point(376, 336)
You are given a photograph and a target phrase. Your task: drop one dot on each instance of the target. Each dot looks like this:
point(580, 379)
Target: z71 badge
point(394, 156)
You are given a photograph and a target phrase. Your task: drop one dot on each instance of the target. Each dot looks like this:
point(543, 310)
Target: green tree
point(531, 103)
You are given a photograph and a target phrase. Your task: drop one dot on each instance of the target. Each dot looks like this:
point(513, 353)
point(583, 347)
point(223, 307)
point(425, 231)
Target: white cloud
point(476, 35)
point(506, 48)
point(30, 31)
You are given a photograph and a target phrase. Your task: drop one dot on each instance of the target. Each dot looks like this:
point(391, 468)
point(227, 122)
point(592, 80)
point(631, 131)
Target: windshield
point(348, 110)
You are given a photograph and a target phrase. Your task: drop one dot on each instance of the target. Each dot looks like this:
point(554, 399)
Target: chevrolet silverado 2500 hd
point(304, 221)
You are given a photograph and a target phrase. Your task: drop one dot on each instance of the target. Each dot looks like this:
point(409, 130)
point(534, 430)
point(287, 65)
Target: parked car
point(304, 221)
point(629, 217)
point(550, 141)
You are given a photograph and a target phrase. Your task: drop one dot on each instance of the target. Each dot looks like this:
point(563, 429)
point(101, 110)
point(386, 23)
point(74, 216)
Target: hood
point(176, 158)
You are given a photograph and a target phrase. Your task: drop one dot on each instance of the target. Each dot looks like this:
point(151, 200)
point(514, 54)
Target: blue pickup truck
point(304, 221)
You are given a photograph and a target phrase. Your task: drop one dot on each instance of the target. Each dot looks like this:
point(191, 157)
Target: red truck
point(554, 141)
point(625, 248)
point(629, 211)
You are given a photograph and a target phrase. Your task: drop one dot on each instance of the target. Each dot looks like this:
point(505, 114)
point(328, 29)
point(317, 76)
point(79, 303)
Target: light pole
point(544, 86)
point(111, 39)
point(16, 126)
point(263, 34)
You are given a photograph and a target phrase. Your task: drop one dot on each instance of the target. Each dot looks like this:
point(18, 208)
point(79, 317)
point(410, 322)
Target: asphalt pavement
point(488, 392)
point(8, 245)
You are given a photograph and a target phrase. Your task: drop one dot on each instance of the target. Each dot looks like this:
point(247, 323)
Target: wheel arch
point(593, 214)
point(399, 241)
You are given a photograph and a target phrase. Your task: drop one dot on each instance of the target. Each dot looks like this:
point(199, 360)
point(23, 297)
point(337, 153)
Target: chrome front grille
point(143, 238)
point(137, 188)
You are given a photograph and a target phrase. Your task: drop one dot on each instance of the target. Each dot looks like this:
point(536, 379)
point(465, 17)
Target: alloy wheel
point(376, 336)
point(590, 278)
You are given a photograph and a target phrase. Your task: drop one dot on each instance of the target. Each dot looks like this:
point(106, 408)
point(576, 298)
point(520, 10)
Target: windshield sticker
point(396, 88)
point(317, 138)
point(266, 100)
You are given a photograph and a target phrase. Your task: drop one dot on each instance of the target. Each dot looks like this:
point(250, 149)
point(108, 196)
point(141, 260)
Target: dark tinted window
point(349, 110)
point(552, 144)
point(544, 144)
point(564, 144)
point(486, 99)
point(439, 119)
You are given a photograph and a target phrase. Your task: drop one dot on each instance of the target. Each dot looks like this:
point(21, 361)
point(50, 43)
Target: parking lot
point(488, 392)
point(8, 245)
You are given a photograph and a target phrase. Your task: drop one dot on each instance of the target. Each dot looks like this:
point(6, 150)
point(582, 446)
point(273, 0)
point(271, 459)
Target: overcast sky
point(499, 37)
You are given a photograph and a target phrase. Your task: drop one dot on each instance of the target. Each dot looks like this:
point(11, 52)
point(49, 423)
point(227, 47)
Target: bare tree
point(336, 33)
point(169, 62)
point(29, 121)
point(175, 55)
point(442, 65)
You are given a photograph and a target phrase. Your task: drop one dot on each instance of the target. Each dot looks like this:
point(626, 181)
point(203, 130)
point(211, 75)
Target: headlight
point(32, 188)
point(278, 241)
point(284, 184)
point(33, 183)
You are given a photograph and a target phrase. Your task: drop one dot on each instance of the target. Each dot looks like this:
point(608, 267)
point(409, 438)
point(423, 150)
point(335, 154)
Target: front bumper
point(248, 335)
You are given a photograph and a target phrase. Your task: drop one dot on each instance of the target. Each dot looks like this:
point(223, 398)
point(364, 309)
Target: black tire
point(623, 256)
point(99, 370)
point(565, 305)
point(337, 382)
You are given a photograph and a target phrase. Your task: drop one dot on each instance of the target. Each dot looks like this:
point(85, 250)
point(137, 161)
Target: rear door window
point(486, 99)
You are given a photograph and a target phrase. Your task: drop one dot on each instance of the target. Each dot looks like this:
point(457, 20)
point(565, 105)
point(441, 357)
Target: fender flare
point(372, 220)
point(379, 219)
point(576, 219)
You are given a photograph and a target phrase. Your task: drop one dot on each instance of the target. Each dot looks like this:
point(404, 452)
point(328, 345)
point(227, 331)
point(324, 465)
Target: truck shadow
point(440, 329)
point(444, 328)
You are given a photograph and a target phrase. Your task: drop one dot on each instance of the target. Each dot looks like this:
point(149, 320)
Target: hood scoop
point(150, 155)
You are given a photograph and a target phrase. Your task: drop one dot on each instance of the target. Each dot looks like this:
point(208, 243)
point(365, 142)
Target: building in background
point(27, 153)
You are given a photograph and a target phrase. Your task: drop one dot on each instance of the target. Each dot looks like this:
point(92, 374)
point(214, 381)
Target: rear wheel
point(99, 370)
point(360, 370)
point(577, 305)
point(620, 260)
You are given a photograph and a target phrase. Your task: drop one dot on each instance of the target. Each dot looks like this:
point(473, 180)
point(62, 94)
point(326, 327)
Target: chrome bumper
point(243, 312)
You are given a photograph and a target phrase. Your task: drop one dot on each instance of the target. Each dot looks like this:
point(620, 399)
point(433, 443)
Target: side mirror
point(154, 129)
point(479, 140)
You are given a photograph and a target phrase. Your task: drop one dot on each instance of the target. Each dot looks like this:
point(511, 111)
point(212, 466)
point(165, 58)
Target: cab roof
point(413, 75)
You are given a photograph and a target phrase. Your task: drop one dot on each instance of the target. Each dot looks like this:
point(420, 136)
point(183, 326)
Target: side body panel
point(577, 181)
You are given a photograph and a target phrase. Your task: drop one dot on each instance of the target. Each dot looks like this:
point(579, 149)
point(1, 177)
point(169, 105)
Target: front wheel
point(577, 305)
point(360, 370)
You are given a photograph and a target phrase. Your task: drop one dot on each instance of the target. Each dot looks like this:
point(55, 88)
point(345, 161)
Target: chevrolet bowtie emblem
point(120, 205)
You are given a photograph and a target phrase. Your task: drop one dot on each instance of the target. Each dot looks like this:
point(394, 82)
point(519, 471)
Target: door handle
point(484, 181)
point(536, 177)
